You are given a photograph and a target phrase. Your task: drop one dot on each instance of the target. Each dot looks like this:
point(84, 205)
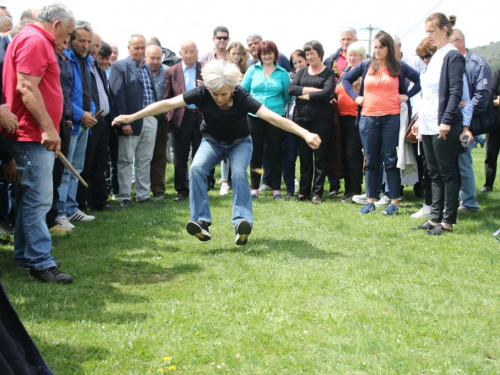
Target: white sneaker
point(360, 199)
point(296, 190)
point(383, 201)
point(423, 213)
point(64, 222)
point(264, 187)
point(224, 189)
point(81, 216)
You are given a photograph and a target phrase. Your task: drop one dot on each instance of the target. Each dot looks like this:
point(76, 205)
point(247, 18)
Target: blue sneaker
point(368, 208)
point(391, 210)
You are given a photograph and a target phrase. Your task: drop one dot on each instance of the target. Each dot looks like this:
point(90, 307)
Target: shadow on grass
point(66, 359)
point(260, 248)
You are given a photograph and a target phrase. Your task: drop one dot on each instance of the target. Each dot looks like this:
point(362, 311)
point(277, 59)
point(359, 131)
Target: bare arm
point(162, 106)
point(8, 120)
point(27, 86)
point(266, 114)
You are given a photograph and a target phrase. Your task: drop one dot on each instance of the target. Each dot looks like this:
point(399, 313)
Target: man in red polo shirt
point(31, 87)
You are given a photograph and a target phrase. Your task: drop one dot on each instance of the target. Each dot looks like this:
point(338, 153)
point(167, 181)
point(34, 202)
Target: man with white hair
point(338, 60)
point(32, 88)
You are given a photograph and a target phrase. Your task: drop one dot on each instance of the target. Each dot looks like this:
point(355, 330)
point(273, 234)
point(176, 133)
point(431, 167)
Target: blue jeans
point(67, 205)
point(209, 154)
point(32, 241)
point(468, 183)
point(380, 137)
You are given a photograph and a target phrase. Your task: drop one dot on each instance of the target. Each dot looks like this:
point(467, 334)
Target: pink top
point(381, 94)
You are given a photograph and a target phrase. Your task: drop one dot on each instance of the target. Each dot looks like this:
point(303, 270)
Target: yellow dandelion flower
point(166, 358)
point(161, 371)
point(172, 368)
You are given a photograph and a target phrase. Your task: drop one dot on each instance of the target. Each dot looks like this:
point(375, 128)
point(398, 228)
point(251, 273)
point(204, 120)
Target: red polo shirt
point(32, 52)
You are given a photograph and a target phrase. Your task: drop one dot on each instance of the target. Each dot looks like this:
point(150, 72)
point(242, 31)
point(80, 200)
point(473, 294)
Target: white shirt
point(429, 82)
point(416, 63)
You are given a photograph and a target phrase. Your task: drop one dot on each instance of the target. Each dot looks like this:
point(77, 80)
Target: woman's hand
point(122, 119)
point(496, 101)
point(359, 100)
point(403, 98)
point(313, 140)
point(444, 130)
point(414, 129)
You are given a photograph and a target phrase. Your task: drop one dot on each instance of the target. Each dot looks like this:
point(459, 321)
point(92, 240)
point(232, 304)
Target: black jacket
point(451, 89)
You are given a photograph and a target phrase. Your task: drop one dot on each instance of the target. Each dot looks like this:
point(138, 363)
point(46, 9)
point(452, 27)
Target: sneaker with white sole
point(360, 199)
point(383, 201)
point(368, 208)
point(264, 187)
point(224, 189)
point(81, 216)
point(199, 229)
point(243, 230)
point(64, 222)
point(423, 213)
point(391, 210)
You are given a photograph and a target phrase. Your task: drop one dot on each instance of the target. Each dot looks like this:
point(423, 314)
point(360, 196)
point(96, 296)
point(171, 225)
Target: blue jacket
point(362, 69)
point(272, 92)
point(479, 79)
point(77, 89)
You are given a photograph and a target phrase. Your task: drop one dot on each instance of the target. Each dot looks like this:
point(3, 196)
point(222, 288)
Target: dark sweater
point(319, 104)
point(451, 86)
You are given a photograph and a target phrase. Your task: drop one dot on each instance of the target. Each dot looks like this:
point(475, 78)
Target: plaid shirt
point(147, 93)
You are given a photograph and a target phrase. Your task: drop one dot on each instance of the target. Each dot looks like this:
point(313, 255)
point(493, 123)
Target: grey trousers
point(141, 147)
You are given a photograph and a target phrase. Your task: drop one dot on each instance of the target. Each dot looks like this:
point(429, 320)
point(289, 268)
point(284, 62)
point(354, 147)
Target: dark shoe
point(52, 274)
point(278, 197)
point(316, 199)
point(150, 200)
point(347, 198)
point(467, 210)
point(243, 230)
point(485, 189)
point(126, 203)
point(107, 207)
point(425, 225)
point(199, 229)
point(180, 197)
point(289, 195)
point(160, 196)
point(56, 261)
point(302, 198)
point(334, 190)
point(438, 230)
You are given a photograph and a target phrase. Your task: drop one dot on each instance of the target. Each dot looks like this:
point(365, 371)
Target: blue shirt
point(147, 93)
point(189, 79)
point(272, 91)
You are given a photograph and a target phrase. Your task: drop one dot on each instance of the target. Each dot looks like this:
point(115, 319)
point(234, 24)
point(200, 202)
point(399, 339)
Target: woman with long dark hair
point(383, 88)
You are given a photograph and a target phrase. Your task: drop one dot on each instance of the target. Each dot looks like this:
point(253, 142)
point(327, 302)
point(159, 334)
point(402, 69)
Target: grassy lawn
point(317, 290)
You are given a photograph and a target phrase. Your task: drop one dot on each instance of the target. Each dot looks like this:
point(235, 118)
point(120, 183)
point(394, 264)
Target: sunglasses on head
point(222, 37)
point(428, 56)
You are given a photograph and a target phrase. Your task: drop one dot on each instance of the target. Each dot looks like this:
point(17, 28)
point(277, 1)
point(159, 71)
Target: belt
point(191, 110)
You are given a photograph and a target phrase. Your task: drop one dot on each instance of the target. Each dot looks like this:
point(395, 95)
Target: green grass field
point(317, 290)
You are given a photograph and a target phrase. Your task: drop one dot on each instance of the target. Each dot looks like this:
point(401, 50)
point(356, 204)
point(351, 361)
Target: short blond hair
point(218, 73)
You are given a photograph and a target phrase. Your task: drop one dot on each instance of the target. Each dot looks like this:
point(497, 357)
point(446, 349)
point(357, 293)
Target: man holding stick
point(32, 88)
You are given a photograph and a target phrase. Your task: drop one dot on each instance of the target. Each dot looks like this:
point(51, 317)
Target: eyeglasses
point(426, 57)
point(454, 40)
point(222, 37)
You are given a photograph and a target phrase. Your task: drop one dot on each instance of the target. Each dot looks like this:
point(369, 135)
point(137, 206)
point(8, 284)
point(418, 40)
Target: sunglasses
point(426, 57)
point(222, 37)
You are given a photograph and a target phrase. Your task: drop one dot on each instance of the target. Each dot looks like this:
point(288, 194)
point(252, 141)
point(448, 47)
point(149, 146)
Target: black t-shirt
point(224, 125)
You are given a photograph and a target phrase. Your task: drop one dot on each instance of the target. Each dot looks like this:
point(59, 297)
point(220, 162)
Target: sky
point(289, 24)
